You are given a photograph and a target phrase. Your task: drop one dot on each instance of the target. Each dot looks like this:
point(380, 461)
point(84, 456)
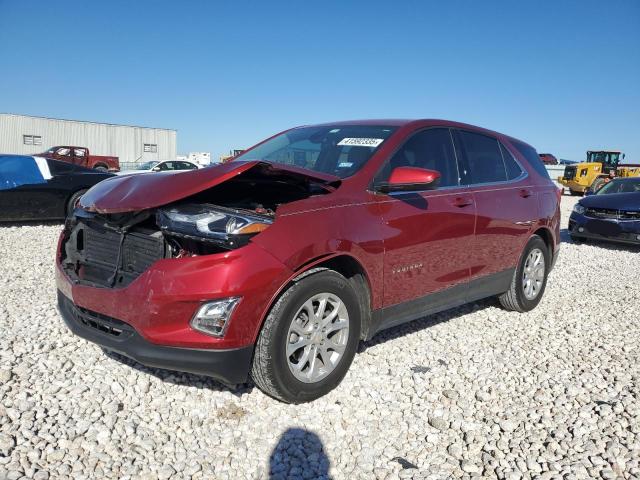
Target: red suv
point(278, 263)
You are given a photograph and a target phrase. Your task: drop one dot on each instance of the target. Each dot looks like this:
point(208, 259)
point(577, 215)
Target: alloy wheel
point(317, 337)
point(533, 274)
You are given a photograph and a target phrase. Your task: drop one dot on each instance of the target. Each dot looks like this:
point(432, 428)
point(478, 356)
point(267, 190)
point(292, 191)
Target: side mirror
point(155, 169)
point(409, 179)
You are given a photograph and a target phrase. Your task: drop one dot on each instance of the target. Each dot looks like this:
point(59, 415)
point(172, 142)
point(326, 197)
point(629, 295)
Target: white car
point(165, 166)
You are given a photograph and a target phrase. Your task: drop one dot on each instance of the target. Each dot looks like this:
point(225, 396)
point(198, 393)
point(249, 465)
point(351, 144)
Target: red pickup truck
point(81, 156)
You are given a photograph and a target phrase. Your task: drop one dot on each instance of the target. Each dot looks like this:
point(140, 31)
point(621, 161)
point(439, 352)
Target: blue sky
point(561, 75)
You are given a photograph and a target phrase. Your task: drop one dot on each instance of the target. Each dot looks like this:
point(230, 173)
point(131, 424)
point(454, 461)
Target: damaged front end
point(106, 244)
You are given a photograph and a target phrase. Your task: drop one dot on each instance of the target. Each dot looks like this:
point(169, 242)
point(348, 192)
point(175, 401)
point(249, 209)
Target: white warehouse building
point(24, 134)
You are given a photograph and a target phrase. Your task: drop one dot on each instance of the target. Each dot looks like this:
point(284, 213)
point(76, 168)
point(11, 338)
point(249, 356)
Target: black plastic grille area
point(96, 321)
point(601, 213)
point(104, 265)
point(611, 213)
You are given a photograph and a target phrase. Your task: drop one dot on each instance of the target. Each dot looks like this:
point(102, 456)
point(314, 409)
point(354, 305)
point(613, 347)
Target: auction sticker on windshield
point(361, 142)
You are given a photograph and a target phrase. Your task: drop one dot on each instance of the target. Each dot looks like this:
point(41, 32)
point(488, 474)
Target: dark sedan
point(36, 188)
point(612, 214)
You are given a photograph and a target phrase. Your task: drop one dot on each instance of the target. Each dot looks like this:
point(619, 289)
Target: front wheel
point(101, 168)
point(309, 338)
point(529, 279)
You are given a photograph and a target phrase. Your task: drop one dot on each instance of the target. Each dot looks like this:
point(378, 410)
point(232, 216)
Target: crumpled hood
point(614, 201)
point(130, 193)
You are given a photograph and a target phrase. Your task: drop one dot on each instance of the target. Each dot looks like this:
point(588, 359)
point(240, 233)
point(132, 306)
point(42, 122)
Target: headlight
point(211, 223)
point(578, 208)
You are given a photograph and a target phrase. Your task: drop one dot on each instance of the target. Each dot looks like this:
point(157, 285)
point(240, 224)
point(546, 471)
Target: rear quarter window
point(513, 169)
point(530, 154)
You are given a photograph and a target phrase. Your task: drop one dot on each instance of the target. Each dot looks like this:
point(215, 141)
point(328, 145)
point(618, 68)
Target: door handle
point(462, 202)
point(525, 193)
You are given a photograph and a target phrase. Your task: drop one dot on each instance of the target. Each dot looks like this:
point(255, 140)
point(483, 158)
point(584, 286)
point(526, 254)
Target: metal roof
point(85, 121)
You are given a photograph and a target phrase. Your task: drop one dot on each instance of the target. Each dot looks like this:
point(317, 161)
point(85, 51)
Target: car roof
point(422, 122)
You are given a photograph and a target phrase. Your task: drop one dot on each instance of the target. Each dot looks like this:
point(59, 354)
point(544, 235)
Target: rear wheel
point(309, 339)
point(529, 279)
point(101, 168)
point(71, 204)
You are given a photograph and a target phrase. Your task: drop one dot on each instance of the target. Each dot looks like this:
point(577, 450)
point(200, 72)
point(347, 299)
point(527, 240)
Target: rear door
point(506, 205)
point(427, 235)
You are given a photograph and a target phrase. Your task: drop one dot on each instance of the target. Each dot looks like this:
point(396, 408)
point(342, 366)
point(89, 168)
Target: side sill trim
point(479, 288)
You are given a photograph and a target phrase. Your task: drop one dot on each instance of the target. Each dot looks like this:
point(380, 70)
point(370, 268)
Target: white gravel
point(474, 391)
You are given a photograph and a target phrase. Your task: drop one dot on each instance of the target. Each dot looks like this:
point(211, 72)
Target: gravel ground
point(474, 391)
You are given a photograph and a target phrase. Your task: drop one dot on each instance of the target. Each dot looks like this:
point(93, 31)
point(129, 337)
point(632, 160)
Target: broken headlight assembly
point(210, 223)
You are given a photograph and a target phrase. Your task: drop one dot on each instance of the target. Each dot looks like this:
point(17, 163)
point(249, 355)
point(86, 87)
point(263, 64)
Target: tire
point(72, 202)
point(101, 168)
point(272, 369)
point(575, 193)
point(517, 298)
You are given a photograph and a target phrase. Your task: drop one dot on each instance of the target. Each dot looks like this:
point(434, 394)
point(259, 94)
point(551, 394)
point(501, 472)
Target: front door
point(428, 235)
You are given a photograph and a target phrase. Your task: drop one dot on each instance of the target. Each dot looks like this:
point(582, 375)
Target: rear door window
point(484, 159)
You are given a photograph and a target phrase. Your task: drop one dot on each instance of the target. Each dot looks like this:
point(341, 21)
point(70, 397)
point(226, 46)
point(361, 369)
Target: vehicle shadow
point(181, 378)
point(615, 247)
point(299, 453)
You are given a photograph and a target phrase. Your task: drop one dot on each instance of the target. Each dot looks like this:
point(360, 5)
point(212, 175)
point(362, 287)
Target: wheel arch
point(346, 265)
point(547, 237)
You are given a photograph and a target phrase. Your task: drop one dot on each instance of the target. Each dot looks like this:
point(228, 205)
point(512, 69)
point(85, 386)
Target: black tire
point(575, 193)
point(72, 201)
point(514, 298)
point(270, 369)
point(101, 168)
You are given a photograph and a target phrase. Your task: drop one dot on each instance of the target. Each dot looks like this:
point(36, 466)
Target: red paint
point(81, 156)
point(413, 176)
point(407, 246)
point(130, 193)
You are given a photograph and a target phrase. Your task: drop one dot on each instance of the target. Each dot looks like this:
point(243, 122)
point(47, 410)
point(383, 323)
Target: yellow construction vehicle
point(577, 178)
point(232, 154)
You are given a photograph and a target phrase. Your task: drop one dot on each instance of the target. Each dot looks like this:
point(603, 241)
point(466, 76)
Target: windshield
point(609, 158)
point(621, 186)
point(339, 150)
point(147, 165)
